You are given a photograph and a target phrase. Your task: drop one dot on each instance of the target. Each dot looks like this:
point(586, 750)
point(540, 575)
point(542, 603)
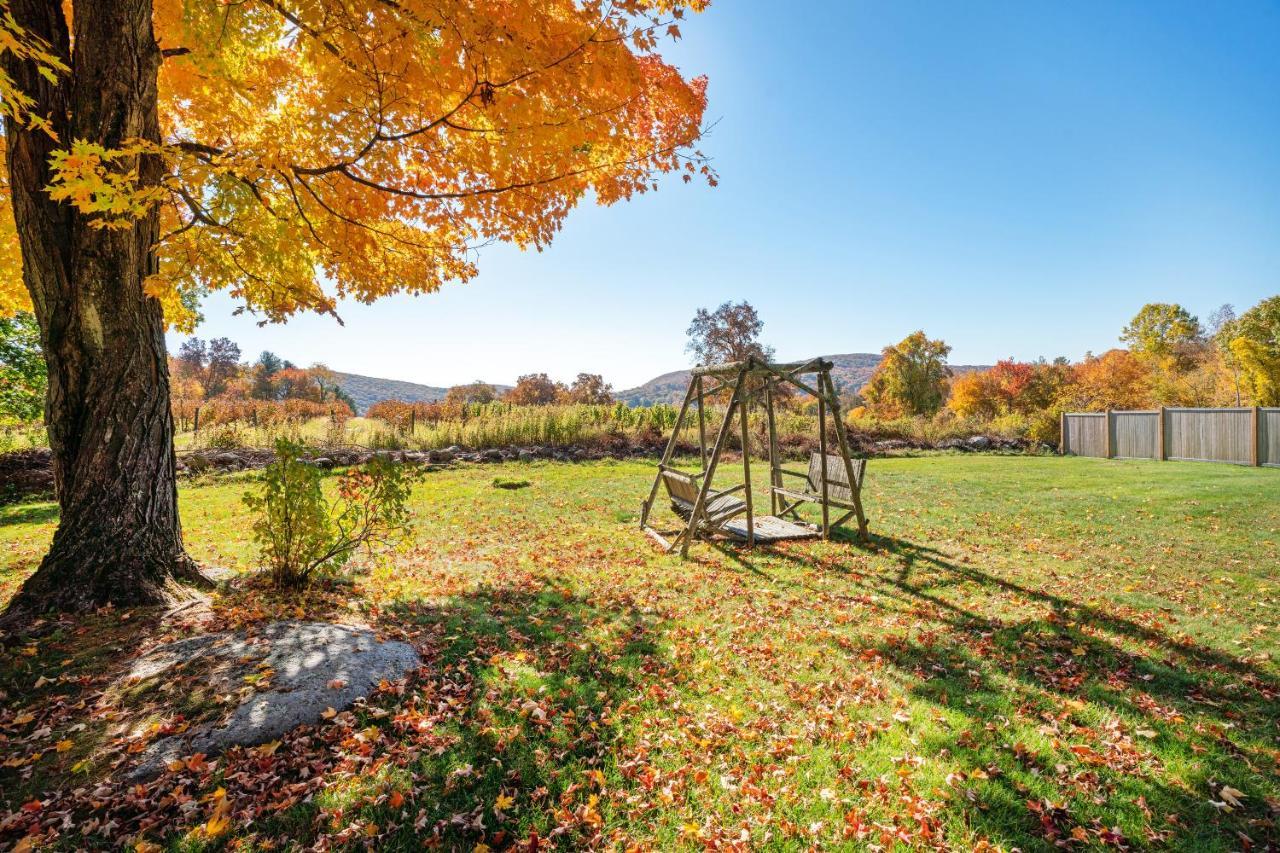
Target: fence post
point(1062, 433)
point(1107, 436)
point(1254, 437)
point(196, 428)
point(1160, 439)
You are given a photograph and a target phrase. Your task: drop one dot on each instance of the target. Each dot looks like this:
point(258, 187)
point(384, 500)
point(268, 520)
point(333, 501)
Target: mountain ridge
point(850, 371)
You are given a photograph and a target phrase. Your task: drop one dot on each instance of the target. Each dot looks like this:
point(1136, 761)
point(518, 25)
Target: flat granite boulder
point(313, 666)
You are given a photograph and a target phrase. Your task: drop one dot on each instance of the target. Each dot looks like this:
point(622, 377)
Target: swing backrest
point(838, 485)
point(681, 487)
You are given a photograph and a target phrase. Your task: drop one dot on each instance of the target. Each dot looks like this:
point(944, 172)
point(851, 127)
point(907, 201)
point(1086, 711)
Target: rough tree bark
point(119, 539)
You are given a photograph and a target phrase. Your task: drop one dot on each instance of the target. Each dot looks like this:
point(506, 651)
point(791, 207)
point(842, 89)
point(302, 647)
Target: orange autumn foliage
point(320, 149)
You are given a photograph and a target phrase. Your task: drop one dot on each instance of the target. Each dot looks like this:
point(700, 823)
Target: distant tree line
point(212, 370)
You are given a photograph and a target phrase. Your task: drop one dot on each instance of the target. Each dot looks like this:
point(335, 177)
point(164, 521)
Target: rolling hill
point(367, 390)
point(850, 371)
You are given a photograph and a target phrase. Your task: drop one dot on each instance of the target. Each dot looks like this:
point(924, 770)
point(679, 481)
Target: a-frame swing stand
point(833, 480)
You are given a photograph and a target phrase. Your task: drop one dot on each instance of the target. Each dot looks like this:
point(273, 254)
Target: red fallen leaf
point(32, 806)
point(337, 684)
point(396, 800)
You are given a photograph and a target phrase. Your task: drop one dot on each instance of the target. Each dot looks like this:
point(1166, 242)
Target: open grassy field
point(1032, 652)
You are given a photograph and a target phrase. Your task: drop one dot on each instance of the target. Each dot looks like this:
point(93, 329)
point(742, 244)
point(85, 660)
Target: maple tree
point(534, 389)
point(911, 379)
point(295, 153)
point(476, 392)
point(589, 389)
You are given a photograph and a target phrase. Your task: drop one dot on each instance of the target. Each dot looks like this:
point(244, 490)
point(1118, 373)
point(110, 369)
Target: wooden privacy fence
point(1239, 436)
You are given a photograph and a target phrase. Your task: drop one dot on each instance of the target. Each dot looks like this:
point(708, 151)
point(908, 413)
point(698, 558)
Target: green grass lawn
point(1032, 651)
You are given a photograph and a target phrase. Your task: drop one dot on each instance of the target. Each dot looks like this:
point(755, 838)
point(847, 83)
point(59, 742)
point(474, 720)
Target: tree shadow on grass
point(1095, 719)
point(508, 735)
point(28, 513)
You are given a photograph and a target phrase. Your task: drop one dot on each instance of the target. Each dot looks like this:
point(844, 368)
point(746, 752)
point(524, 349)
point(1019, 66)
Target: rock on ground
point(316, 665)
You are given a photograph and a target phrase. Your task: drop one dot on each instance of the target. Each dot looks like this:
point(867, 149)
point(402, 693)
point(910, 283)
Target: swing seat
point(840, 492)
point(718, 509)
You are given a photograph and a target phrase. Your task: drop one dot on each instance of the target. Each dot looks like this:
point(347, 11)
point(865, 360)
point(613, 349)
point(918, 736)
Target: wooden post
point(702, 425)
point(775, 464)
point(1107, 436)
point(743, 408)
point(413, 421)
point(843, 441)
point(1254, 437)
point(196, 430)
point(647, 505)
point(822, 449)
point(1161, 452)
point(686, 536)
point(1062, 433)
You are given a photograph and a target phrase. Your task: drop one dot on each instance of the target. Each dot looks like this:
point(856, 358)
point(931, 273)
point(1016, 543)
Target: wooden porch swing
point(833, 481)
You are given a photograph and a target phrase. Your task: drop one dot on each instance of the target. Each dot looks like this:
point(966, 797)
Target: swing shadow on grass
point(1077, 720)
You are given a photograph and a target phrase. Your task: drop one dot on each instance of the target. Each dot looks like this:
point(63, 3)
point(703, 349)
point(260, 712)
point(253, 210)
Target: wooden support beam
point(743, 408)
point(855, 486)
point(1107, 425)
point(822, 448)
point(686, 538)
point(670, 450)
point(775, 475)
point(702, 425)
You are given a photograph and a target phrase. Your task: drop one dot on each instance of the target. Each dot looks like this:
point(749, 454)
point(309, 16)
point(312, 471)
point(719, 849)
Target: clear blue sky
point(1017, 178)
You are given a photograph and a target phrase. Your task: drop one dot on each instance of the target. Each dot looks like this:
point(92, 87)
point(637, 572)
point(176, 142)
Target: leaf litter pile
point(1033, 653)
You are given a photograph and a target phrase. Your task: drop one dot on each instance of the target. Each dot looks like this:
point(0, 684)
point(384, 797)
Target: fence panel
point(1085, 434)
point(1135, 435)
point(1269, 437)
point(1210, 435)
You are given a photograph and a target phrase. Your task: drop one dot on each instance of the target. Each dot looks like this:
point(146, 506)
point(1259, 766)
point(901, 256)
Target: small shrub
point(226, 437)
point(1045, 427)
point(503, 483)
point(300, 533)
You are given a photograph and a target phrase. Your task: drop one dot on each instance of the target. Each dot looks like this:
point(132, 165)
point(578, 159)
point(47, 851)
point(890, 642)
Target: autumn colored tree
point(729, 333)
point(911, 379)
point(1255, 343)
point(1117, 379)
point(212, 364)
point(534, 389)
point(294, 153)
point(1160, 330)
point(476, 392)
point(588, 388)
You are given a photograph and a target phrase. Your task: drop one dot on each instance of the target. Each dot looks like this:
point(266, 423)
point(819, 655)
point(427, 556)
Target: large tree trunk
point(119, 539)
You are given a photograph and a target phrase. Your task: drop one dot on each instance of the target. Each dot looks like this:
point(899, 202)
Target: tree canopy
point(320, 149)
point(911, 379)
point(729, 333)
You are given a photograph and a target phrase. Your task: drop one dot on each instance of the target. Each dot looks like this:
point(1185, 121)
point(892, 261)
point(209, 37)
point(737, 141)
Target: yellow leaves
point(64, 745)
point(104, 182)
point(219, 819)
point(503, 802)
